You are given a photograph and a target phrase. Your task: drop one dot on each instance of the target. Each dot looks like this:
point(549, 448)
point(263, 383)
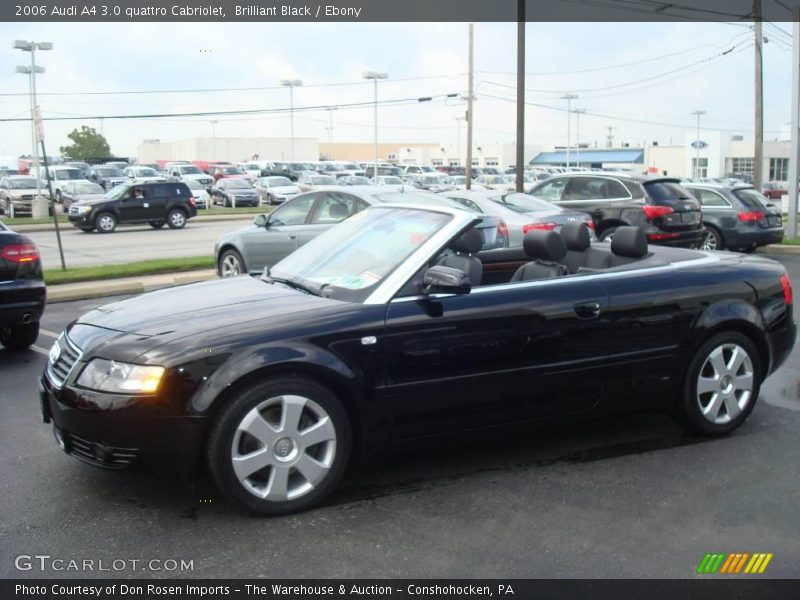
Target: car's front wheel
point(19, 337)
point(712, 240)
point(176, 219)
point(722, 384)
point(280, 446)
point(105, 223)
point(231, 264)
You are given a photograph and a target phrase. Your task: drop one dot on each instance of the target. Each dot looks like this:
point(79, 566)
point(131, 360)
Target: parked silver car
point(274, 236)
point(234, 191)
point(275, 190)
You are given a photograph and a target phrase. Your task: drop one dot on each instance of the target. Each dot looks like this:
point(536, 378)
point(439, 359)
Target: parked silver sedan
point(275, 189)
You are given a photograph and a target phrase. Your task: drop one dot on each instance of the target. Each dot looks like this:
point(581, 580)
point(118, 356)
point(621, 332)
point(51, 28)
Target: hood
point(89, 198)
point(286, 189)
point(24, 191)
point(124, 330)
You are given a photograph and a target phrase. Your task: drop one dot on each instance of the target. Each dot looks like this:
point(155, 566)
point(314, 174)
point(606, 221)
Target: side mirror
point(261, 220)
point(440, 279)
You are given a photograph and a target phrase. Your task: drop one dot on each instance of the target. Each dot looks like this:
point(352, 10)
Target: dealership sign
point(699, 145)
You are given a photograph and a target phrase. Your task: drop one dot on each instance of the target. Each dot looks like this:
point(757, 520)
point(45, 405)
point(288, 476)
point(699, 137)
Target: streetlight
point(291, 84)
point(696, 144)
point(330, 110)
point(569, 98)
point(31, 71)
point(578, 112)
point(375, 77)
point(459, 119)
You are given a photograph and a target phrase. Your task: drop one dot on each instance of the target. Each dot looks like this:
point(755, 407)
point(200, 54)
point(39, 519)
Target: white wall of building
point(230, 149)
point(483, 155)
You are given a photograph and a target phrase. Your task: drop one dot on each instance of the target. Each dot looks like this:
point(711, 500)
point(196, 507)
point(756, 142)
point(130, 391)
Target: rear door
point(686, 214)
point(717, 210)
point(162, 196)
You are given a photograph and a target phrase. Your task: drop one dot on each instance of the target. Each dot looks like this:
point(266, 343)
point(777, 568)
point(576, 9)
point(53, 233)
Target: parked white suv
point(187, 172)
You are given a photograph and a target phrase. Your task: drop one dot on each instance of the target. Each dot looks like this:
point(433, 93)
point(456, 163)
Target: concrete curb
point(779, 249)
point(68, 227)
point(69, 292)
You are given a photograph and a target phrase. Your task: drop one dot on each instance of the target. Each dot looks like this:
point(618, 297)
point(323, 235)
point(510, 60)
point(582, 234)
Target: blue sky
point(676, 65)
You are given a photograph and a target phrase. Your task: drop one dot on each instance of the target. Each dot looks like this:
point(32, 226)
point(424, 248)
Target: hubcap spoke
point(732, 405)
point(292, 410)
point(255, 425)
point(712, 409)
point(731, 385)
point(278, 486)
point(311, 469)
point(744, 382)
point(321, 431)
point(707, 384)
point(736, 360)
point(717, 361)
point(244, 466)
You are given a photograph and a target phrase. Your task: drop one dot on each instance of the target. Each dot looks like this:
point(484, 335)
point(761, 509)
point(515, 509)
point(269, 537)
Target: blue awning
point(622, 156)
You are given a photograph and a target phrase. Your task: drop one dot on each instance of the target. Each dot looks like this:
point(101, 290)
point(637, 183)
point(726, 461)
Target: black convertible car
point(395, 326)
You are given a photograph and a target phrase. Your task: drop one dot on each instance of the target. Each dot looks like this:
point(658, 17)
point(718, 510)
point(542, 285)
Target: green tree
point(86, 143)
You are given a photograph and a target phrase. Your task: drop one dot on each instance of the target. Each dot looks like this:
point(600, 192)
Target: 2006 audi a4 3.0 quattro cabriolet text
point(394, 326)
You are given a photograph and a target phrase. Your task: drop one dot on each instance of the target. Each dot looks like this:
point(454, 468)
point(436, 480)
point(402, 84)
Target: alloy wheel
point(231, 267)
point(106, 223)
point(283, 448)
point(725, 383)
point(709, 241)
point(177, 219)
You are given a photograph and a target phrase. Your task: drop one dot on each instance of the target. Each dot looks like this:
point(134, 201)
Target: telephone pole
point(520, 158)
point(794, 148)
point(569, 98)
point(758, 162)
point(470, 116)
point(610, 137)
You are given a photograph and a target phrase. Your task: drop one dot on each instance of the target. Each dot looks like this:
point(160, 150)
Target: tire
point(105, 222)
point(231, 264)
point(19, 337)
point(271, 200)
point(156, 224)
point(87, 229)
point(724, 366)
point(713, 239)
point(176, 219)
point(282, 474)
point(607, 234)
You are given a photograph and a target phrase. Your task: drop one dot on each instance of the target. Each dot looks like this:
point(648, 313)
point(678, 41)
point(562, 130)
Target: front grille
point(68, 355)
point(97, 454)
point(73, 210)
point(27, 196)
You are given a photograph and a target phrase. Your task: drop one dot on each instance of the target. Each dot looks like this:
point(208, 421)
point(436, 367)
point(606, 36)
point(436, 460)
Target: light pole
point(578, 112)
point(330, 110)
point(459, 119)
point(569, 98)
point(291, 84)
point(698, 114)
point(375, 77)
point(32, 47)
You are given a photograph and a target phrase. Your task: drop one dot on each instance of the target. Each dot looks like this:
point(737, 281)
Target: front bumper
point(20, 298)
point(114, 432)
point(83, 220)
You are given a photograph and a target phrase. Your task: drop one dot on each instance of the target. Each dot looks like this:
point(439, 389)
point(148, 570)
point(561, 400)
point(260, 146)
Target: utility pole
point(374, 76)
point(578, 112)
point(291, 84)
point(470, 115)
point(520, 158)
point(794, 151)
point(610, 137)
point(696, 170)
point(758, 162)
point(569, 98)
point(458, 120)
point(330, 110)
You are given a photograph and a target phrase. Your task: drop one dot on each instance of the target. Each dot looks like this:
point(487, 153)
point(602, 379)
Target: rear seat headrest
point(469, 242)
point(576, 236)
point(629, 241)
point(544, 245)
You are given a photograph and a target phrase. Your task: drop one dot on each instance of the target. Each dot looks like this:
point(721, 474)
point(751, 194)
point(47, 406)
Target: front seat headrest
point(338, 211)
point(469, 242)
point(629, 241)
point(576, 236)
point(544, 245)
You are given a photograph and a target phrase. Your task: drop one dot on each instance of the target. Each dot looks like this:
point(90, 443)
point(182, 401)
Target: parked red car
point(774, 190)
point(227, 172)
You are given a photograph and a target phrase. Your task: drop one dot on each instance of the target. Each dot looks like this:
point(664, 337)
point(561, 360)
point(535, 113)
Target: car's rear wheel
point(280, 446)
point(105, 223)
point(722, 384)
point(713, 239)
point(19, 337)
point(231, 264)
point(176, 219)
point(607, 234)
point(156, 224)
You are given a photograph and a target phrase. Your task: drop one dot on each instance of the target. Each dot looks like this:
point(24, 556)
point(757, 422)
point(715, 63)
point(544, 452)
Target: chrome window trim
point(728, 203)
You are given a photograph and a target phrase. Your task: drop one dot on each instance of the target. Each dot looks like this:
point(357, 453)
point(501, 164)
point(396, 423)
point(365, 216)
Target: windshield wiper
point(297, 285)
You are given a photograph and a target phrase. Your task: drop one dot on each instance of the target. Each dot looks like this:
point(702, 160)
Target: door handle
point(588, 310)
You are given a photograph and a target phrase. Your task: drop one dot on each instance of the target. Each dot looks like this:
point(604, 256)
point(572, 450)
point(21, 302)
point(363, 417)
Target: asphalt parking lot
point(131, 243)
point(629, 497)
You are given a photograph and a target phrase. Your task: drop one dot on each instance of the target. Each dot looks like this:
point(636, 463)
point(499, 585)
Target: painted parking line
point(48, 333)
point(40, 350)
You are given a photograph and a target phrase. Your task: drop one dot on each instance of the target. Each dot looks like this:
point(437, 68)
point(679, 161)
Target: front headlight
point(82, 210)
point(118, 377)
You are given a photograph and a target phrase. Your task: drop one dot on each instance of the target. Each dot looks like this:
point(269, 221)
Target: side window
point(473, 206)
point(552, 190)
point(614, 189)
point(334, 207)
point(710, 198)
point(590, 188)
point(294, 212)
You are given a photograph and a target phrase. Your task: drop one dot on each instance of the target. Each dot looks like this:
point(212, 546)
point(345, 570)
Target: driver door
point(287, 224)
point(497, 355)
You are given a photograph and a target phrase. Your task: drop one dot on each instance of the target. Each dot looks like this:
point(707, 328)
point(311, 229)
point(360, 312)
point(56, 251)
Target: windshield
point(427, 169)
point(300, 167)
point(322, 180)
point(118, 192)
point(251, 167)
point(108, 172)
point(21, 184)
point(392, 181)
point(458, 180)
point(751, 198)
point(232, 171)
point(145, 172)
point(68, 174)
point(430, 179)
point(193, 184)
point(238, 184)
point(278, 181)
point(351, 167)
point(349, 260)
point(330, 167)
point(418, 197)
point(87, 188)
point(190, 170)
point(523, 203)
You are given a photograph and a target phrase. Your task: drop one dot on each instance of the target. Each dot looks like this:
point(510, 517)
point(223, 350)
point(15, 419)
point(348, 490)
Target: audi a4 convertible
point(394, 326)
